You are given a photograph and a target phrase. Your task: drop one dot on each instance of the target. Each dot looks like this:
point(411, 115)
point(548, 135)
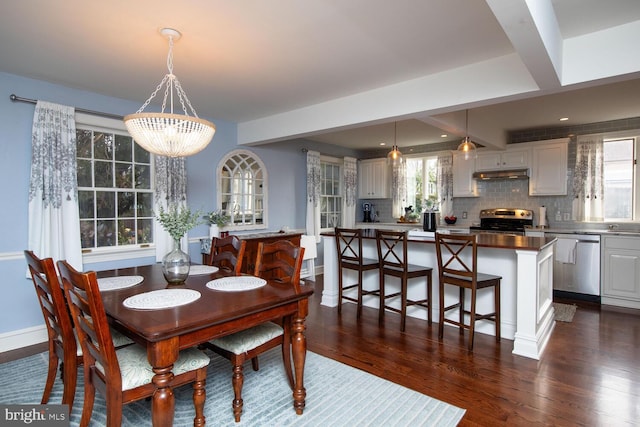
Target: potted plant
point(177, 221)
point(216, 219)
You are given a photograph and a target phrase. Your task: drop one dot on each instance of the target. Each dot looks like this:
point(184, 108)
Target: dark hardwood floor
point(588, 375)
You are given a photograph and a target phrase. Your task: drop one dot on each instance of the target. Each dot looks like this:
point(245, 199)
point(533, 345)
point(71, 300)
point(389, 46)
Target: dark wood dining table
point(165, 332)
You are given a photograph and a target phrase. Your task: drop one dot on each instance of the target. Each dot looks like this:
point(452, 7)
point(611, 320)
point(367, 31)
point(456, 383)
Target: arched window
point(242, 190)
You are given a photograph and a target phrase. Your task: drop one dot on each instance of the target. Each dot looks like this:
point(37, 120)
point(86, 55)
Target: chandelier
point(466, 146)
point(395, 156)
point(169, 134)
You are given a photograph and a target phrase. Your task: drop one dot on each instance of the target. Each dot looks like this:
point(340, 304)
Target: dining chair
point(62, 340)
point(458, 266)
point(349, 248)
point(227, 253)
point(123, 375)
point(394, 261)
point(279, 262)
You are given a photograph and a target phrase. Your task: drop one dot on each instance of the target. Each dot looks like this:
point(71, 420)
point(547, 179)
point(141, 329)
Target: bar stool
point(453, 262)
point(392, 253)
point(349, 248)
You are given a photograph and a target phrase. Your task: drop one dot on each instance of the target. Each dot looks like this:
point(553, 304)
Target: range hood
point(502, 174)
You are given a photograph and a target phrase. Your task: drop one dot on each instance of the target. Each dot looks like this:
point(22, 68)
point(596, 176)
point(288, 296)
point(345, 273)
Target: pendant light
point(169, 134)
point(395, 156)
point(466, 146)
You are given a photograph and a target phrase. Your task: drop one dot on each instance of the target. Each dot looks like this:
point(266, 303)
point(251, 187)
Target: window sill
point(111, 254)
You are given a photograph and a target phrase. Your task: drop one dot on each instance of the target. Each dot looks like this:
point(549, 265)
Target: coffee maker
point(366, 210)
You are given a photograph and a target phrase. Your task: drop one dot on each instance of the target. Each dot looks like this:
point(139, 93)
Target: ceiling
point(342, 72)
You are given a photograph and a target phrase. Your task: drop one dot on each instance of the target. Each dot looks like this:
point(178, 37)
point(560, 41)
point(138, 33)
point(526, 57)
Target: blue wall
point(19, 309)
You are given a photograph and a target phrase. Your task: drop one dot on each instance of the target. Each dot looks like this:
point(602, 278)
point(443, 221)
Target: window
point(331, 194)
point(421, 182)
point(619, 179)
point(115, 192)
point(242, 195)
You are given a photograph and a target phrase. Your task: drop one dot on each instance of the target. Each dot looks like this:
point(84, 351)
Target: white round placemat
point(197, 270)
point(118, 282)
point(236, 283)
point(162, 298)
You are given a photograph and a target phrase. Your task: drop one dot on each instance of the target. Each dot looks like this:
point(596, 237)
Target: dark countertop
point(485, 240)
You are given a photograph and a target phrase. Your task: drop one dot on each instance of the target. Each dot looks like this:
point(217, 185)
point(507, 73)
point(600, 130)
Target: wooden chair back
point(90, 319)
point(62, 341)
point(280, 261)
point(457, 259)
point(227, 253)
point(392, 250)
point(349, 246)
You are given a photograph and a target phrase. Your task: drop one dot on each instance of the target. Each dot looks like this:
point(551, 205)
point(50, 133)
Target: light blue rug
point(337, 395)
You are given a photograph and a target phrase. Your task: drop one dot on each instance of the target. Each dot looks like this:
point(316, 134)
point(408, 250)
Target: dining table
point(187, 319)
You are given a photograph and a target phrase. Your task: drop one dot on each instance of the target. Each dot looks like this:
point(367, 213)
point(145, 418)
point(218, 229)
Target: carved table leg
point(161, 356)
point(299, 350)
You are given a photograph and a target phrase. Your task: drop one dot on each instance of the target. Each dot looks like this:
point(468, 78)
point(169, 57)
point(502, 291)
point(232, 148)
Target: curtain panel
point(588, 179)
point(444, 181)
point(313, 194)
point(54, 219)
point(350, 179)
point(398, 189)
point(170, 188)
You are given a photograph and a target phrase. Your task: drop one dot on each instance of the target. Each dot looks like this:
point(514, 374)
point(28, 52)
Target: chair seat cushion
point(136, 370)
point(243, 341)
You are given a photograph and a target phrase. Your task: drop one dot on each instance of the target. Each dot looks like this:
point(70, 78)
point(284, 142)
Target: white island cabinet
point(526, 267)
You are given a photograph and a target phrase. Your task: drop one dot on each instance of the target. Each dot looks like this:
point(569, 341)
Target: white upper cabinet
point(463, 183)
point(373, 179)
point(512, 158)
point(548, 176)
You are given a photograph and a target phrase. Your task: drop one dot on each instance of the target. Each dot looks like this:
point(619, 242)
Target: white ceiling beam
point(533, 30)
point(497, 78)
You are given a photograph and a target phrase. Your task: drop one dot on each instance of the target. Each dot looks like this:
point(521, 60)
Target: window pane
point(103, 145)
point(126, 232)
point(87, 234)
point(124, 175)
point(143, 176)
point(83, 143)
point(126, 205)
point(145, 231)
point(618, 180)
point(85, 204)
point(106, 233)
point(106, 203)
point(145, 204)
point(123, 148)
point(103, 174)
point(141, 155)
point(84, 173)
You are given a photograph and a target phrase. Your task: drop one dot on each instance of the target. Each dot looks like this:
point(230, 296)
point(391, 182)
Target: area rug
point(564, 312)
point(337, 395)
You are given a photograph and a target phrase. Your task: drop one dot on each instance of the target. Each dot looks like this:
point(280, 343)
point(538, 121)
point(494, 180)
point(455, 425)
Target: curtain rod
point(16, 98)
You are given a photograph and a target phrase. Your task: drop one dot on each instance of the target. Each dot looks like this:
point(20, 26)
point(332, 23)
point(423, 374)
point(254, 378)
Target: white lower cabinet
point(621, 271)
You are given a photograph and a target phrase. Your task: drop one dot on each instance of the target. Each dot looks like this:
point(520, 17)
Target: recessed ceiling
point(289, 69)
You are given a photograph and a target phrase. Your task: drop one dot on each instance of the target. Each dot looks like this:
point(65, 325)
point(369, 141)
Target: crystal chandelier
point(395, 156)
point(169, 134)
point(466, 146)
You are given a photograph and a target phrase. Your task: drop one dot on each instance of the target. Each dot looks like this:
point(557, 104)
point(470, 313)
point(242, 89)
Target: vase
point(214, 231)
point(175, 265)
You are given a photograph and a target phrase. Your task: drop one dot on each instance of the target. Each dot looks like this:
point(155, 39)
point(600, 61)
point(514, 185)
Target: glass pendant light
point(467, 146)
point(395, 156)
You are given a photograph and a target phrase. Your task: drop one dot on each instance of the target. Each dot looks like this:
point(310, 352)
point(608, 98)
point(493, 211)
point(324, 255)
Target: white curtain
point(170, 188)
point(398, 189)
point(588, 179)
point(444, 181)
point(350, 178)
point(313, 194)
point(54, 220)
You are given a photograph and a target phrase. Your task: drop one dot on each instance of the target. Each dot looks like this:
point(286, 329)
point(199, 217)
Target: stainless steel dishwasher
point(578, 273)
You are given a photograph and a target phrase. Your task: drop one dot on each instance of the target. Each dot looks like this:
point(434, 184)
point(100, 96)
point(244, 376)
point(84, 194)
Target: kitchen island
point(525, 264)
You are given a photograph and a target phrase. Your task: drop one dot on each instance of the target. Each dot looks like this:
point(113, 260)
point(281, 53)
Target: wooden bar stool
point(455, 252)
point(392, 253)
point(349, 248)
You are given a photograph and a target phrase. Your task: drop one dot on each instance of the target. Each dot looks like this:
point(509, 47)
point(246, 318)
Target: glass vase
point(175, 265)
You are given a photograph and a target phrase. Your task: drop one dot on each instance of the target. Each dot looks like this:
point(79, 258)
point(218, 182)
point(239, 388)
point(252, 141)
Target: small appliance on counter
point(366, 210)
point(429, 221)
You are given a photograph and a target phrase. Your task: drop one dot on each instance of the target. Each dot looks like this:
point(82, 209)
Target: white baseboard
point(23, 338)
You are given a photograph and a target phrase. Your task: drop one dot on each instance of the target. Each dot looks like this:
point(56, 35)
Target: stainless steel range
point(504, 220)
